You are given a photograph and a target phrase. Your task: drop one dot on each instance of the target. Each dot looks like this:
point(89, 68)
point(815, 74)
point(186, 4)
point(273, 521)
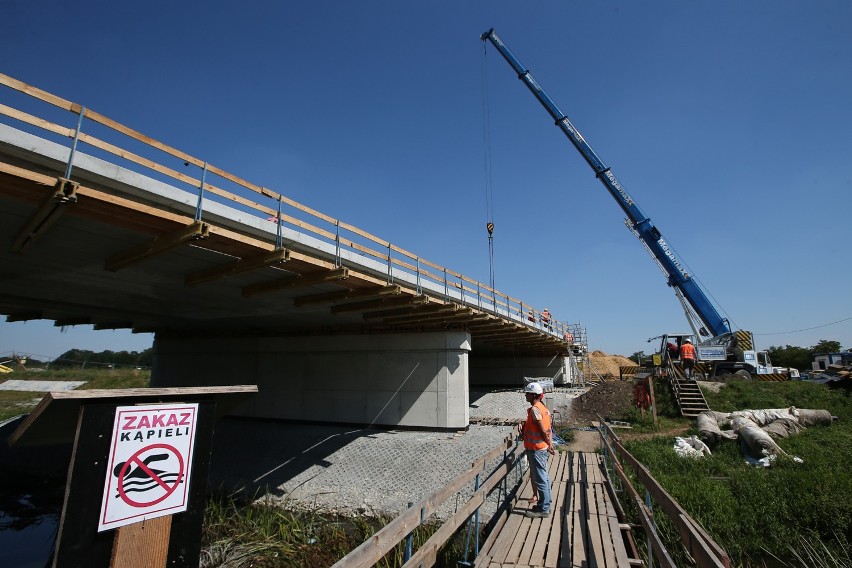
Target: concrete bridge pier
point(417, 380)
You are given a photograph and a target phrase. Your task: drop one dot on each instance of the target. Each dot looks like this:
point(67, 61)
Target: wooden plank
point(142, 545)
point(595, 543)
point(621, 557)
point(603, 521)
point(38, 93)
point(551, 557)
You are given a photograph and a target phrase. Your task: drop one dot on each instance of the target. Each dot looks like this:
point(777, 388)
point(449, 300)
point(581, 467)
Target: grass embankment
point(15, 403)
point(790, 514)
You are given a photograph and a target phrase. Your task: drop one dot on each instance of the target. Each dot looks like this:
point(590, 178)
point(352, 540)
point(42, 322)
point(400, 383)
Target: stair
point(688, 394)
point(689, 397)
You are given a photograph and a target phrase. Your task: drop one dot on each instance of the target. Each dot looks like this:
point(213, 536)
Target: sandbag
point(815, 417)
point(755, 441)
point(709, 431)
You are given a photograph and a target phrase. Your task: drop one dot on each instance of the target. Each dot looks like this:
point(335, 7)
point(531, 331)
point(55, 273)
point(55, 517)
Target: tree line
point(787, 356)
point(83, 358)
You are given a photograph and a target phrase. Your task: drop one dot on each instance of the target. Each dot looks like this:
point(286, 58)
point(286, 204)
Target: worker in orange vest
point(687, 357)
point(545, 319)
point(538, 443)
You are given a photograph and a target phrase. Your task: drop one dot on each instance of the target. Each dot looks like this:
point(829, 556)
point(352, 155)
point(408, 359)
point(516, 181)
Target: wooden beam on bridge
point(159, 245)
point(380, 304)
point(114, 325)
point(72, 321)
point(416, 316)
point(24, 316)
point(331, 297)
point(264, 259)
point(298, 281)
point(437, 317)
point(430, 308)
point(50, 210)
point(504, 332)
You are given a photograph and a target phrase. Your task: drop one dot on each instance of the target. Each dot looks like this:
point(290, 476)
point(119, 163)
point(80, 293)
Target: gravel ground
point(361, 471)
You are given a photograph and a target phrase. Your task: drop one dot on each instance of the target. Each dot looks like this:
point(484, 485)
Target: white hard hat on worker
point(533, 388)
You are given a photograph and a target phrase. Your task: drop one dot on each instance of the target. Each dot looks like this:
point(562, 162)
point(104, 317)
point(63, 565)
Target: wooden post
point(653, 400)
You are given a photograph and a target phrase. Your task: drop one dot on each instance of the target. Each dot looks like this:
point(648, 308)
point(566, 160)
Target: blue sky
point(728, 123)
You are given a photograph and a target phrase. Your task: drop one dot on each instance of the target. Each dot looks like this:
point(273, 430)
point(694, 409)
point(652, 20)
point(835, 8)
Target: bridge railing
point(401, 528)
point(400, 264)
point(701, 547)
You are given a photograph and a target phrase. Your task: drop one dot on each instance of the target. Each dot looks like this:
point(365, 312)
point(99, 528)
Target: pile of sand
point(606, 366)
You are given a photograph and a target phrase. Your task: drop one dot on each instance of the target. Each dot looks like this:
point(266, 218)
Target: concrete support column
point(415, 380)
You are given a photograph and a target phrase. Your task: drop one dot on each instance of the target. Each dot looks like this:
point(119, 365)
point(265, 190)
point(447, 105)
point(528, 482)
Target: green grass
point(15, 403)
point(757, 513)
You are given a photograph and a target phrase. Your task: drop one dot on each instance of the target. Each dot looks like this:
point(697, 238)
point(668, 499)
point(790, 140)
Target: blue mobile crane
point(729, 351)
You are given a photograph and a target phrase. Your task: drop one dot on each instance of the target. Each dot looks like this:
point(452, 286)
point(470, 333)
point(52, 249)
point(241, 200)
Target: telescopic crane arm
point(640, 224)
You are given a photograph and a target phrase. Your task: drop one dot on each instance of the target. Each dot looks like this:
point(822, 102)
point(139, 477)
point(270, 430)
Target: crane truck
point(727, 351)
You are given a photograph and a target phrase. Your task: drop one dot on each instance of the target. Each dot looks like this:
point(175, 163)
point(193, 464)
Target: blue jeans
point(538, 474)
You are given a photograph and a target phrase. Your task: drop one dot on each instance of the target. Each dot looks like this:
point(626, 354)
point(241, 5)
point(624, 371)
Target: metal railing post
point(650, 543)
point(68, 166)
point(446, 285)
point(337, 259)
point(476, 522)
point(390, 270)
point(419, 289)
point(279, 237)
point(409, 540)
point(200, 204)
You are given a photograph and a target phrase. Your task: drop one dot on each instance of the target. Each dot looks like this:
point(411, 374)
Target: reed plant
point(266, 533)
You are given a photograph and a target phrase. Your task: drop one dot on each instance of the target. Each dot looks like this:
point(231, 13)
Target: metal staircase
point(688, 394)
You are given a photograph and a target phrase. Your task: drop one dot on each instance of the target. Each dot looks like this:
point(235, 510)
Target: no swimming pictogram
point(150, 463)
point(154, 471)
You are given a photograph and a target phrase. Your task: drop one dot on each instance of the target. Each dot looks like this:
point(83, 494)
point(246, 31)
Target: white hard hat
point(687, 341)
point(533, 388)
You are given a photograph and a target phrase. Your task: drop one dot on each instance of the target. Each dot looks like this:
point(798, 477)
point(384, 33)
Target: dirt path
point(584, 441)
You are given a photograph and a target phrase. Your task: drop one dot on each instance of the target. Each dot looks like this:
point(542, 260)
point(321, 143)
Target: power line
point(807, 328)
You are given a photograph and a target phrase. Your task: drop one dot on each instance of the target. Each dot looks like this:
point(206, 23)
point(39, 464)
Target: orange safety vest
point(533, 437)
point(687, 351)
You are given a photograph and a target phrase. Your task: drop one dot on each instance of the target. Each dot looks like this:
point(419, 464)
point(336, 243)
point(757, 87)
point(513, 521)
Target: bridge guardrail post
point(419, 288)
point(649, 504)
point(390, 269)
point(337, 260)
point(70, 163)
point(409, 540)
point(199, 206)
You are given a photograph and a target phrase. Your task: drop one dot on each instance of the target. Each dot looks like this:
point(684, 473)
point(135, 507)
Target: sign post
point(137, 481)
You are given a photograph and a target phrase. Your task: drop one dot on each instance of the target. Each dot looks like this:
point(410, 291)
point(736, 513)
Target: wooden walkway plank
point(583, 530)
point(551, 558)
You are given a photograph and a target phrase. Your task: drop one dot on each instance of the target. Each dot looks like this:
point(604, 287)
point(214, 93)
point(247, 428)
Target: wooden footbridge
point(588, 526)
point(583, 530)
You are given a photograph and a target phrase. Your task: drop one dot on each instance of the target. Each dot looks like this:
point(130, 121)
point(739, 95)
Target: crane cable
point(489, 185)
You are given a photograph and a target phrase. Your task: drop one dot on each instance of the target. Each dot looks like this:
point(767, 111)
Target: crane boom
point(640, 223)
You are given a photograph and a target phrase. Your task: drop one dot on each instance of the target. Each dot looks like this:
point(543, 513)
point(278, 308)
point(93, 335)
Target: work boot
point(537, 514)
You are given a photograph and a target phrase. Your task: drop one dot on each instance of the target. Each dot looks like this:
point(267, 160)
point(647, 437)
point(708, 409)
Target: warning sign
point(149, 464)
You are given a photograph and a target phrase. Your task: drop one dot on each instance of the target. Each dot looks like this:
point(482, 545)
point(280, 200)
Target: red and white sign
point(150, 463)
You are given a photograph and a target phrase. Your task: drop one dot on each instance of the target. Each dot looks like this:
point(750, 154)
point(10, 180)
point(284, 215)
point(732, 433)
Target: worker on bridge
point(538, 443)
point(545, 319)
point(687, 357)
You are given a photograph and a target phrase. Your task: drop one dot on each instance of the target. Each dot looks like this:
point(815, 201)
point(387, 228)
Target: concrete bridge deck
point(303, 303)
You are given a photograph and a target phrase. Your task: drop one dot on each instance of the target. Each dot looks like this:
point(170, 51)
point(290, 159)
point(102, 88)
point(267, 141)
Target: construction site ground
point(373, 471)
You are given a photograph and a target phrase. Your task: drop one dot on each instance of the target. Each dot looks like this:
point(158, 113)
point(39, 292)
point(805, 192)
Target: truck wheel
point(743, 375)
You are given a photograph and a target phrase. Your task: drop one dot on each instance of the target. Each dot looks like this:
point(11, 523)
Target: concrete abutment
point(417, 380)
